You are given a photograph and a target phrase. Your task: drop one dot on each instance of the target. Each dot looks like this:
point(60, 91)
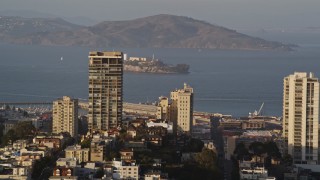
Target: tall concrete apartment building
point(181, 109)
point(105, 90)
point(65, 116)
point(301, 117)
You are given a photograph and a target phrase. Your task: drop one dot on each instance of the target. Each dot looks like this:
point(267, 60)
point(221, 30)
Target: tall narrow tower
point(301, 117)
point(105, 90)
point(65, 116)
point(181, 109)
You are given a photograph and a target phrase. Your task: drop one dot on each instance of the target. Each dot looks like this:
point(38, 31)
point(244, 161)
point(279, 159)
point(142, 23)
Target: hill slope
point(160, 31)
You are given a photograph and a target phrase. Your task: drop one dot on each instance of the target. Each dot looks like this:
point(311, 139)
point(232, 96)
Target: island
point(158, 31)
point(151, 65)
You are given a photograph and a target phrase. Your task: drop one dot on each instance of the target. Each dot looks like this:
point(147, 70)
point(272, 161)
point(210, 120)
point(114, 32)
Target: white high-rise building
point(301, 117)
point(181, 109)
point(65, 116)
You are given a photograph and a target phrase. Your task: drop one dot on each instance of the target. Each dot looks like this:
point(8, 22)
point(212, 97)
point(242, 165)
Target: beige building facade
point(97, 152)
point(105, 90)
point(163, 108)
point(124, 170)
point(82, 155)
point(65, 116)
point(181, 109)
point(301, 117)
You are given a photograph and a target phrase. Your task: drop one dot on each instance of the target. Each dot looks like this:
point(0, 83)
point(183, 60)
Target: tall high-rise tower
point(301, 117)
point(181, 109)
point(65, 116)
point(105, 90)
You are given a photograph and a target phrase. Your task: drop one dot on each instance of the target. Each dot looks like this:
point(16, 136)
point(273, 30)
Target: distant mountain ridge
point(159, 31)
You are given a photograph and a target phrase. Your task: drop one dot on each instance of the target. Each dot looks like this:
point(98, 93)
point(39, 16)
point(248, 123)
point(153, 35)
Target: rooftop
point(258, 133)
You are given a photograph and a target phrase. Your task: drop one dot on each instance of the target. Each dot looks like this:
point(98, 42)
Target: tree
point(257, 148)
point(10, 136)
point(112, 153)
point(207, 164)
point(241, 151)
point(235, 169)
point(1, 131)
point(25, 114)
point(195, 145)
point(272, 149)
point(287, 160)
point(24, 129)
point(85, 143)
point(21, 130)
point(7, 107)
point(99, 174)
point(147, 160)
point(206, 159)
point(41, 165)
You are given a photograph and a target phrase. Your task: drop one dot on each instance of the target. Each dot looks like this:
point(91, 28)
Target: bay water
point(224, 81)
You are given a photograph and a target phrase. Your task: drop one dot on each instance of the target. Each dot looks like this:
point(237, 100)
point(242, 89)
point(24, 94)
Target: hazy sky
point(230, 13)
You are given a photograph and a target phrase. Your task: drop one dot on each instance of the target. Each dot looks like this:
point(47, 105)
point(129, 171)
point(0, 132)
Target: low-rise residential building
point(26, 163)
point(31, 154)
point(153, 139)
point(138, 122)
point(152, 176)
point(52, 140)
point(114, 132)
point(19, 144)
point(253, 173)
point(132, 131)
point(9, 124)
point(167, 125)
point(249, 170)
point(63, 171)
point(158, 130)
point(200, 131)
point(243, 124)
point(136, 145)
point(97, 151)
point(82, 155)
point(126, 155)
point(253, 124)
point(16, 173)
point(20, 171)
point(123, 170)
point(209, 144)
point(63, 178)
point(155, 175)
point(13, 177)
point(86, 170)
point(48, 141)
point(67, 162)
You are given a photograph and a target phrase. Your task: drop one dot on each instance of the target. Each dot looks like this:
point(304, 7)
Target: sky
point(237, 14)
